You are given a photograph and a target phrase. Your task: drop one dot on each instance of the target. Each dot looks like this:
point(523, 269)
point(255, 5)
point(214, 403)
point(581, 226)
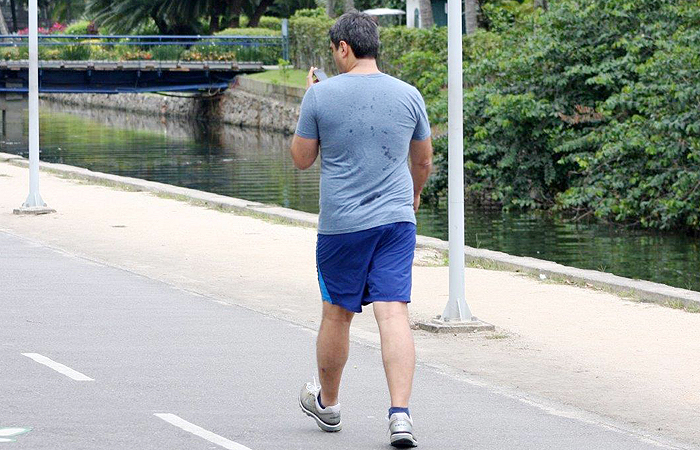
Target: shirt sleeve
point(422, 130)
point(307, 127)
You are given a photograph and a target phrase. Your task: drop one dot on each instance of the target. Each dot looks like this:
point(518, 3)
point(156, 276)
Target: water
point(255, 165)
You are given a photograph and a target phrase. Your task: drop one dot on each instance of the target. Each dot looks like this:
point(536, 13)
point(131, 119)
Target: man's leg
point(398, 350)
point(332, 347)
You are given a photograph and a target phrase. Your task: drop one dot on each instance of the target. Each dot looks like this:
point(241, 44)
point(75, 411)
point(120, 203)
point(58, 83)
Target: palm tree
point(67, 10)
point(426, 14)
point(124, 16)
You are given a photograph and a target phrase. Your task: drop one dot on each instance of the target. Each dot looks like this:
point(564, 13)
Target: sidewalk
point(636, 364)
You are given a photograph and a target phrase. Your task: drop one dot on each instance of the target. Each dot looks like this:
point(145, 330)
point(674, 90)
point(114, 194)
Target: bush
point(589, 108)
point(645, 168)
point(82, 27)
point(75, 52)
point(166, 52)
point(265, 54)
point(272, 23)
point(308, 39)
point(248, 32)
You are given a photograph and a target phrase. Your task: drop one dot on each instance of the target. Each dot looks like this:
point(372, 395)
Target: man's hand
point(310, 78)
point(421, 153)
point(416, 202)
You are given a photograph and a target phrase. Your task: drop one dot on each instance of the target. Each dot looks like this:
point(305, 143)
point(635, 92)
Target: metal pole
point(34, 199)
point(285, 39)
point(456, 308)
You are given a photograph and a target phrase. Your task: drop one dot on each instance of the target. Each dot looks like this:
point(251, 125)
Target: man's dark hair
point(359, 31)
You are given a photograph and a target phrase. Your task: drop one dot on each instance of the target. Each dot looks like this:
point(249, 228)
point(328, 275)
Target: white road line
point(201, 432)
point(58, 367)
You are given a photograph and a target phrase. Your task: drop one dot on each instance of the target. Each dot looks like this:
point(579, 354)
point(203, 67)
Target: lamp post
point(457, 316)
point(34, 203)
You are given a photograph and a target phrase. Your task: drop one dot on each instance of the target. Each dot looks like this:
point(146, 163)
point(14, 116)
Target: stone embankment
point(247, 102)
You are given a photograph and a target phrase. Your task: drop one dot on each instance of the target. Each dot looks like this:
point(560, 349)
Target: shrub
point(589, 108)
point(272, 23)
point(308, 39)
point(81, 27)
point(265, 54)
point(166, 52)
point(75, 52)
point(248, 32)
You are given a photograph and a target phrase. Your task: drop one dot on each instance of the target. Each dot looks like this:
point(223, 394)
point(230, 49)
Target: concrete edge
point(645, 291)
point(276, 91)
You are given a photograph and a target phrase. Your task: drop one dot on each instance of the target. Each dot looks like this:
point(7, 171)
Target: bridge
point(215, 68)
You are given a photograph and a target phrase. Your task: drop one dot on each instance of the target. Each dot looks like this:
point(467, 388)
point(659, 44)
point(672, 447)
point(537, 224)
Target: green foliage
point(272, 23)
point(287, 8)
point(284, 67)
point(308, 39)
point(266, 55)
point(248, 32)
point(646, 168)
point(166, 52)
point(10, 53)
point(318, 13)
point(80, 27)
point(501, 15)
point(590, 107)
point(396, 41)
point(181, 17)
point(75, 52)
point(66, 10)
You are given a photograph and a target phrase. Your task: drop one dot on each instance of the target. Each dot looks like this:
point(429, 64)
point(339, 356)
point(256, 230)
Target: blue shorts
point(356, 269)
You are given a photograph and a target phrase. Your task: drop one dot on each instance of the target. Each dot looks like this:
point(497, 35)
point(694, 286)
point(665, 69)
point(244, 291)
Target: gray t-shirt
point(364, 124)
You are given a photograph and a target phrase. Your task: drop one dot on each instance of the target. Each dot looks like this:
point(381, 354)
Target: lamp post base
point(33, 210)
point(439, 325)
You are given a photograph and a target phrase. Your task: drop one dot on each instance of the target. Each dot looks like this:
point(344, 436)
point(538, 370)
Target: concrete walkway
point(612, 362)
point(160, 361)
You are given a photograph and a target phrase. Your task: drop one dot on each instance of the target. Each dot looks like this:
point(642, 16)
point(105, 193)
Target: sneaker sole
point(403, 440)
point(321, 424)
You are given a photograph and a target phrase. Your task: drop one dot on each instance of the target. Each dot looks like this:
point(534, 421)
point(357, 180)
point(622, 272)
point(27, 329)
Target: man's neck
point(364, 66)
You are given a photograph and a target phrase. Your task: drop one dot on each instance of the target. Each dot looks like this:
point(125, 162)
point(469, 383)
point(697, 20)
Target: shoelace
point(313, 387)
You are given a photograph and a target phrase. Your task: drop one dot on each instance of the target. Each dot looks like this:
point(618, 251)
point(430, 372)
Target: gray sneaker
point(327, 419)
point(401, 429)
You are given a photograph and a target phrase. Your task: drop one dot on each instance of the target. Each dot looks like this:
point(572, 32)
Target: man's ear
point(345, 49)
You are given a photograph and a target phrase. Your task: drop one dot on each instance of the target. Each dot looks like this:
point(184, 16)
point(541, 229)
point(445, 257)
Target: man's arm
point(304, 151)
point(421, 153)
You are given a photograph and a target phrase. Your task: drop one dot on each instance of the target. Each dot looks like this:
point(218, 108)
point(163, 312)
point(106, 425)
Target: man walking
point(366, 124)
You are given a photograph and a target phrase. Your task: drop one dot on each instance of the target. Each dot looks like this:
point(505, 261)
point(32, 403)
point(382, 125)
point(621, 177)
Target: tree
point(258, 12)
point(349, 5)
point(170, 16)
point(471, 16)
point(13, 9)
point(175, 16)
point(3, 25)
point(426, 14)
point(330, 8)
point(67, 10)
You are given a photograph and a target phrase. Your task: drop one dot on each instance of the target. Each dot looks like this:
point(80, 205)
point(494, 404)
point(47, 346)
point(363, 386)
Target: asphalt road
point(168, 369)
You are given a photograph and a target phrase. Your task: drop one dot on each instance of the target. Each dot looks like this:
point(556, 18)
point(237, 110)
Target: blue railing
point(269, 48)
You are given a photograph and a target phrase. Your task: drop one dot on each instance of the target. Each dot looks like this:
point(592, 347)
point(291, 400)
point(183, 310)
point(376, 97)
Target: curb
point(645, 291)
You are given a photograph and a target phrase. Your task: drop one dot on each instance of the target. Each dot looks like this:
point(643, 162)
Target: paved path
point(158, 355)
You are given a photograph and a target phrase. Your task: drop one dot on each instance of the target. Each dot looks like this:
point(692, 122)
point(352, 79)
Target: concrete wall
point(247, 103)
